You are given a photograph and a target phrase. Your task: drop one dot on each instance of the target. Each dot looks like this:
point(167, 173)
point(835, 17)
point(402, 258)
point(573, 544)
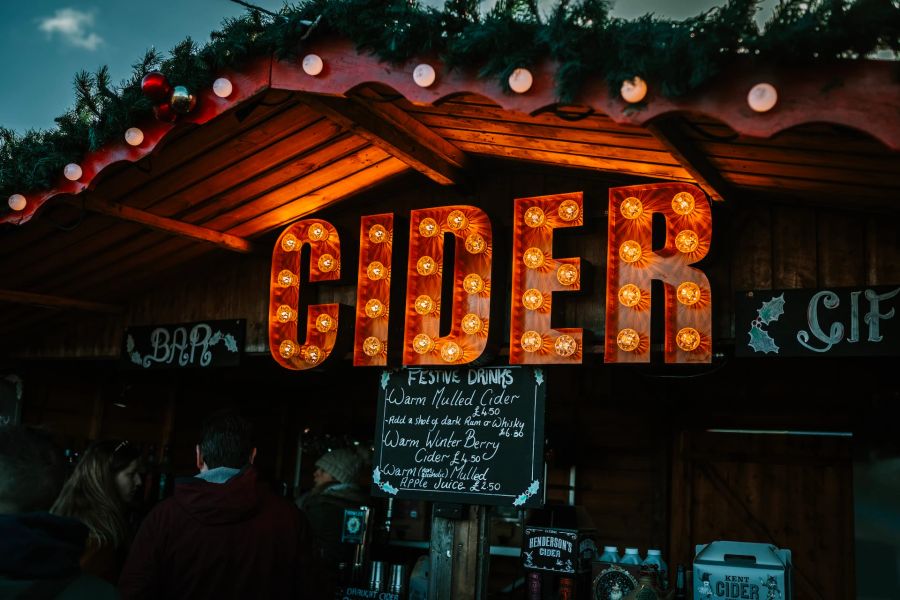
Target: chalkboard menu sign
point(184, 345)
point(465, 435)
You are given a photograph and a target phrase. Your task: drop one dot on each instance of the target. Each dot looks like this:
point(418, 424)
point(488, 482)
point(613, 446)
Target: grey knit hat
point(344, 464)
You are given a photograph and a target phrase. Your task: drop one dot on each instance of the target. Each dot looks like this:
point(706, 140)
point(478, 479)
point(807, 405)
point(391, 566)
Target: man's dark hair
point(226, 440)
point(31, 470)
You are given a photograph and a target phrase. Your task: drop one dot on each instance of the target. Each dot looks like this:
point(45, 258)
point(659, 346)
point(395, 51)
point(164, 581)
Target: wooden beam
point(670, 132)
point(396, 132)
point(167, 225)
point(58, 302)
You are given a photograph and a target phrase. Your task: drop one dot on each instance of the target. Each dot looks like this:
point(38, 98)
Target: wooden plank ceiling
point(284, 155)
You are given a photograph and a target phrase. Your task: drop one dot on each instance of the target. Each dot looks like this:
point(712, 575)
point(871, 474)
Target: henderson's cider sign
point(536, 274)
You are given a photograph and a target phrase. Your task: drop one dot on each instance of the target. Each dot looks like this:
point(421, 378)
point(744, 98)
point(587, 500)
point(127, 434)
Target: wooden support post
point(460, 556)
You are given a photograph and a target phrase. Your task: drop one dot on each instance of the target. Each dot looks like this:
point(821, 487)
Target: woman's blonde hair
point(91, 495)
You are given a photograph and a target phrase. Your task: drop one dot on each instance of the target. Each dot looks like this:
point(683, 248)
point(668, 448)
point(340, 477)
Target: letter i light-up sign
point(284, 295)
point(373, 291)
point(632, 264)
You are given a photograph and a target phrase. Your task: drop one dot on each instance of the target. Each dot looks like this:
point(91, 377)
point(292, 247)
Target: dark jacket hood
point(236, 500)
point(40, 546)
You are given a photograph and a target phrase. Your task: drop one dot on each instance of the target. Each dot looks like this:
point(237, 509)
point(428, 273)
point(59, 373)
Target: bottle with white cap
point(610, 555)
point(654, 559)
point(632, 557)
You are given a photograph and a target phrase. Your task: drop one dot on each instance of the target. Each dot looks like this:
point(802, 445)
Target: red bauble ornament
point(156, 87)
point(164, 112)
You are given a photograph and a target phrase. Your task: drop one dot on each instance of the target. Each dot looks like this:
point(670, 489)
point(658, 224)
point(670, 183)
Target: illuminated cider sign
point(536, 275)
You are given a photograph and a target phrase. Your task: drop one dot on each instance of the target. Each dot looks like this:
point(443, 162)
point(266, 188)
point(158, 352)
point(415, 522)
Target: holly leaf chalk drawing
point(383, 485)
point(531, 491)
point(230, 343)
point(760, 341)
point(385, 377)
point(129, 344)
point(771, 310)
point(538, 376)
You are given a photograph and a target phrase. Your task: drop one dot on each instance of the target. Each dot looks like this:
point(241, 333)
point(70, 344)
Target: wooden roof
point(285, 145)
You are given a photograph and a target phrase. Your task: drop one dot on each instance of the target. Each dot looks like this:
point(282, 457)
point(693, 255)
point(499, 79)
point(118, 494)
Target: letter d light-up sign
point(284, 294)
point(632, 264)
point(471, 272)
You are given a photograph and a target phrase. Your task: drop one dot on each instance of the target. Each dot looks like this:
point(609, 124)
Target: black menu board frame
point(468, 435)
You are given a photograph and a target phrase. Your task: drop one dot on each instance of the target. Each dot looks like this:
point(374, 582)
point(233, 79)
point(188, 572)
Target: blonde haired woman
point(97, 493)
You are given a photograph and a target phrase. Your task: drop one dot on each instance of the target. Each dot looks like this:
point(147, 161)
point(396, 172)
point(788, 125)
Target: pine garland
point(677, 57)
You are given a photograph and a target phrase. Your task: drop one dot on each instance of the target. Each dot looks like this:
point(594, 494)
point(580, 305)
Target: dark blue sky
point(45, 42)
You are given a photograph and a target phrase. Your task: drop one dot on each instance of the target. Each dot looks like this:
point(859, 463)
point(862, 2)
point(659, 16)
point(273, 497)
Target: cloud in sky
point(73, 26)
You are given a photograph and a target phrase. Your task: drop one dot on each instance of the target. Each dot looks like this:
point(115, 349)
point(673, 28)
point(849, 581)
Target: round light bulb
point(534, 217)
point(327, 263)
point(457, 220)
point(311, 354)
point(472, 323)
point(374, 308)
point(451, 352)
point(762, 97)
point(287, 348)
point(428, 227)
point(532, 341)
point(633, 90)
point(687, 241)
point(134, 136)
point(565, 345)
point(313, 64)
point(372, 346)
point(683, 203)
point(424, 75)
point(532, 299)
point(376, 271)
point(630, 251)
point(475, 243)
point(317, 232)
point(520, 80)
point(473, 283)
point(287, 279)
point(688, 293)
point(423, 343)
point(285, 313)
point(17, 202)
point(630, 295)
point(628, 340)
point(378, 234)
point(424, 305)
point(567, 274)
point(222, 87)
point(426, 266)
point(631, 208)
point(290, 243)
point(72, 172)
point(568, 210)
point(687, 339)
point(533, 258)
point(324, 323)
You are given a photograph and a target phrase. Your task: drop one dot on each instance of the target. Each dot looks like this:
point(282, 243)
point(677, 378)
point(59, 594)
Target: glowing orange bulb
point(317, 232)
point(372, 346)
point(565, 345)
point(285, 313)
point(377, 234)
point(324, 323)
point(429, 227)
point(423, 344)
point(374, 308)
point(688, 293)
point(534, 258)
point(287, 348)
point(631, 208)
point(687, 339)
point(683, 203)
point(568, 210)
point(473, 283)
point(532, 299)
point(289, 243)
point(475, 244)
point(424, 305)
point(376, 271)
point(534, 217)
point(451, 352)
point(532, 341)
point(311, 354)
point(630, 295)
point(327, 263)
point(287, 279)
point(457, 220)
point(628, 340)
point(426, 266)
point(630, 251)
point(687, 241)
point(472, 324)
point(567, 274)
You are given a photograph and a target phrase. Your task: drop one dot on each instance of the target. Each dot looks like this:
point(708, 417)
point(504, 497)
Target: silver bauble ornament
point(182, 101)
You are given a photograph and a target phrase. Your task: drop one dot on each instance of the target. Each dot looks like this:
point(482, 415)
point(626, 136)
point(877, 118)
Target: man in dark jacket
point(39, 552)
point(224, 533)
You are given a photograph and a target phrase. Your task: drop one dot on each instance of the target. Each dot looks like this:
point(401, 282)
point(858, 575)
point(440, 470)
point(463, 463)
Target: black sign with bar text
point(464, 435)
point(207, 344)
point(861, 321)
